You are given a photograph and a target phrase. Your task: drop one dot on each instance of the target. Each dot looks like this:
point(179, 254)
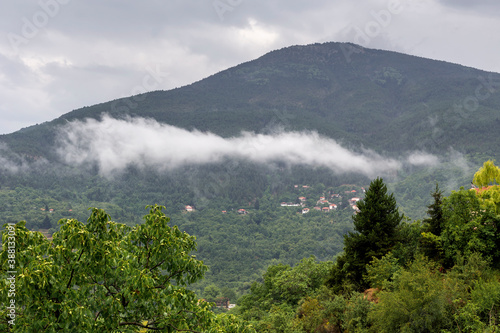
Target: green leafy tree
point(211, 292)
point(470, 227)
point(283, 285)
point(487, 174)
point(419, 302)
point(108, 277)
point(375, 234)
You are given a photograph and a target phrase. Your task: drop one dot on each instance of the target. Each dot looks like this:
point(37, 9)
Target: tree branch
point(73, 270)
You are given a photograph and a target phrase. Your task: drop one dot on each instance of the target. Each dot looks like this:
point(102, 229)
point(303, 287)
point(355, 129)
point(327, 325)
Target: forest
point(439, 274)
point(417, 254)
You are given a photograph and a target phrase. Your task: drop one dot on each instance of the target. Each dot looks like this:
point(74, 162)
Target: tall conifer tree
point(375, 234)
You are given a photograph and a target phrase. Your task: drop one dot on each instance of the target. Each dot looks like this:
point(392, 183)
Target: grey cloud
point(107, 44)
point(15, 163)
point(115, 144)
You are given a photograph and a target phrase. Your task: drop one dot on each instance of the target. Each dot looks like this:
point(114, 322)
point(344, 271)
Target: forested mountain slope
point(382, 100)
point(366, 100)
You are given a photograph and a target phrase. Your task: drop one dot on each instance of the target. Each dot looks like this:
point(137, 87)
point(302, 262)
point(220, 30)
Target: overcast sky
point(60, 55)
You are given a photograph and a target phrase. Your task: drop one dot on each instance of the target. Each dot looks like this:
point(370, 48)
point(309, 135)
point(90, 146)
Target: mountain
point(386, 101)
point(373, 102)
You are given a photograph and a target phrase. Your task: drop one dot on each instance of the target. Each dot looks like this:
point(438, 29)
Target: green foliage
point(417, 304)
point(410, 291)
point(356, 317)
point(105, 276)
point(408, 241)
point(283, 285)
point(470, 227)
point(487, 174)
point(381, 273)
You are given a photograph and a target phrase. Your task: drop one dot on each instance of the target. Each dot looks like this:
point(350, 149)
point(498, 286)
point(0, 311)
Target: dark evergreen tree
point(430, 243)
point(46, 223)
point(257, 204)
point(435, 222)
point(375, 234)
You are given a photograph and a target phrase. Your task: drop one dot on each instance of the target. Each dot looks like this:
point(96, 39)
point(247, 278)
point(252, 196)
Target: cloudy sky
point(60, 55)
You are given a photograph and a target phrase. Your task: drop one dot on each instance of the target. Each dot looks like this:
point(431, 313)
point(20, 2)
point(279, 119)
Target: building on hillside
point(305, 210)
point(189, 208)
point(482, 189)
point(289, 204)
point(302, 199)
point(242, 211)
point(222, 302)
point(333, 206)
point(325, 209)
point(317, 208)
point(353, 201)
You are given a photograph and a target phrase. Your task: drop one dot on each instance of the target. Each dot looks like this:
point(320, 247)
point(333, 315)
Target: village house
point(325, 209)
point(305, 210)
point(242, 211)
point(289, 204)
point(333, 206)
point(189, 208)
point(353, 201)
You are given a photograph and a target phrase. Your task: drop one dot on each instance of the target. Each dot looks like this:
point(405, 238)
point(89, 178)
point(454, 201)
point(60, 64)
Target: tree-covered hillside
point(382, 100)
point(438, 276)
point(371, 102)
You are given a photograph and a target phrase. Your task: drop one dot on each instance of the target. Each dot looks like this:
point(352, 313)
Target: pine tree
point(375, 234)
point(430, 242)
point(435, 222)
